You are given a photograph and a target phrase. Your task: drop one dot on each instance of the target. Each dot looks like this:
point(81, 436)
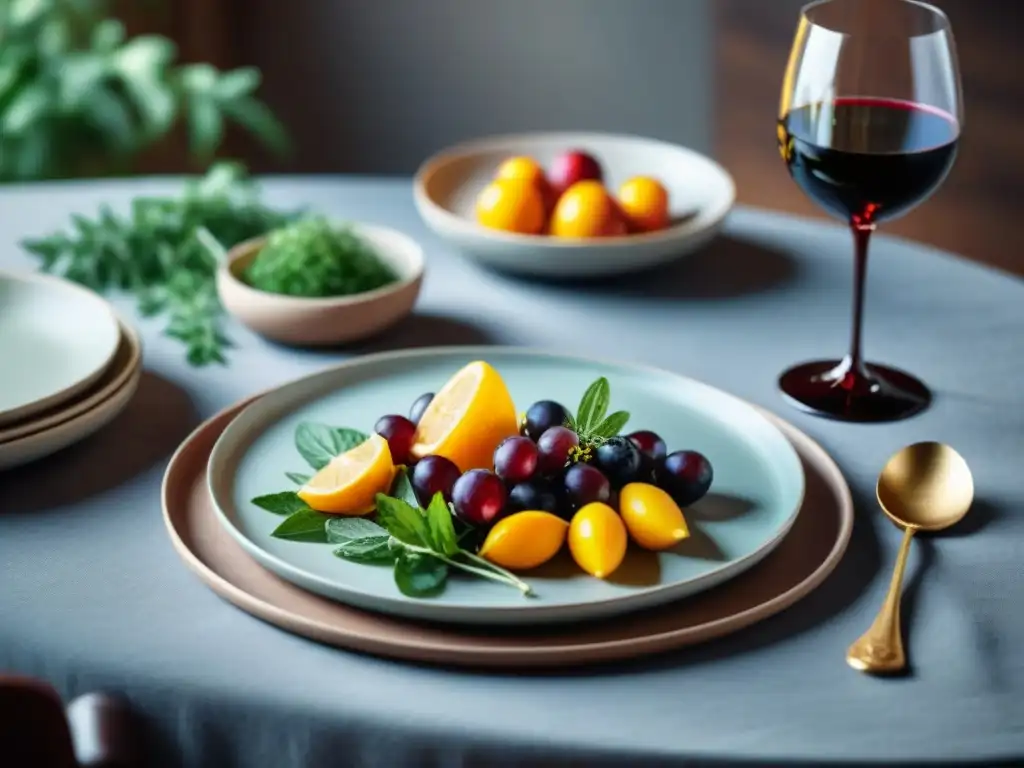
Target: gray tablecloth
point(93, 596)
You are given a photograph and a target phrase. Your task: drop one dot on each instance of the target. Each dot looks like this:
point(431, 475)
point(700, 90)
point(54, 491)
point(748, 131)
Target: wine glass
point(869, 121)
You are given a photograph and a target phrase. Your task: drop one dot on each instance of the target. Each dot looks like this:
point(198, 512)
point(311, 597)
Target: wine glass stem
point(861, 238)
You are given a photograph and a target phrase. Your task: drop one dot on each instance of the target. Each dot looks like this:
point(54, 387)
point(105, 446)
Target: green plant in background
point(166, 252)
point(78, 98)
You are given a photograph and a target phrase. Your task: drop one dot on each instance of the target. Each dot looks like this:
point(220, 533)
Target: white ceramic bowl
point(329, 320)
point(701, 194)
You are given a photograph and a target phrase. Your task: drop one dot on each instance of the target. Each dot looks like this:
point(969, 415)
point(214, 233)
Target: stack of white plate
point(68, 365)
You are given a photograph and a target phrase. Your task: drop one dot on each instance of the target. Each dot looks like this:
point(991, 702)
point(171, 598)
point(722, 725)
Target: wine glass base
point(821, 388)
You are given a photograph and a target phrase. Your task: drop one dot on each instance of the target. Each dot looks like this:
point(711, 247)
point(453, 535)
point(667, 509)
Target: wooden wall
point(975, 213)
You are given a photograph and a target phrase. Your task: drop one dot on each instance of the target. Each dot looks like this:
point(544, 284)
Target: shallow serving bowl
point(701, 194)
point(329, 320)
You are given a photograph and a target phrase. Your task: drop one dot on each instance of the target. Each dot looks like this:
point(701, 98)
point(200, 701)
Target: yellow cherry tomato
point(653, 519)
point(512, 205)
point(524, 540)
point(644, 201)
point(585, 210)
point(597, 539)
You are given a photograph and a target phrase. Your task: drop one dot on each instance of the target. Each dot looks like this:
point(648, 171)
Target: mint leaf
point(361, 540)
point(402, 488)
point(611, 426)
point(297, 478)
point(420, 575)
point(319, 443)
point(373, 549)
point(283, 503)
point(403, 521)
point(342, 529)
point(593, 405)
point(439, 526)
point(304, 525)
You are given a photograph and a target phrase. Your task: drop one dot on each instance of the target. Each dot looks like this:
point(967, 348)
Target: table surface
point(93, 596)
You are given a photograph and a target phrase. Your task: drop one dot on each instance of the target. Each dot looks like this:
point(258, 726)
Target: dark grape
point(515, 460)
point(584, 484)
point(652, 451)
point(434, 474)
point(479, 497)
point(543, 415)
point(400, 433)
point(619, 460)
point(685, 475)
point(419, 406)
point(554, 446)
point(532, 496)
point(649, 444)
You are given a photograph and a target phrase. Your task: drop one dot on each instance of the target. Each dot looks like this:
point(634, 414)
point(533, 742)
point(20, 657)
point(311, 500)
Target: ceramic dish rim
point(411, 274)
point(705, 218)
point(466, 613)
point(79, 407)
point(282, 619)
point(27, 410)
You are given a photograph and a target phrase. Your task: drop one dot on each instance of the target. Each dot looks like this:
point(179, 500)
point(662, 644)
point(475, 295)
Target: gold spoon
point(923, 487)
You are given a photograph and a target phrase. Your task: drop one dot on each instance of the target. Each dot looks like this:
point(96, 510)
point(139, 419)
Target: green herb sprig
point(166, 252)
point(422, 545)
point(592, 421)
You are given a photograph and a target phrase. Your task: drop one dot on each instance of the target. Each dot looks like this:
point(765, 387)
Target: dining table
point(93, 596)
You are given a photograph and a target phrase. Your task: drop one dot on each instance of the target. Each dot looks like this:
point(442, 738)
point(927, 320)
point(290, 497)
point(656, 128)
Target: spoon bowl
point(927, 486)
point(923, 487)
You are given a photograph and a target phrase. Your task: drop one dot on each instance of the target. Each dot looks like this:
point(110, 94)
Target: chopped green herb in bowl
point(314, 258)
point(320, 283)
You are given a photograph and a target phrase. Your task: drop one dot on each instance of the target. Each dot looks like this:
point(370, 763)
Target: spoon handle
point(880, 649)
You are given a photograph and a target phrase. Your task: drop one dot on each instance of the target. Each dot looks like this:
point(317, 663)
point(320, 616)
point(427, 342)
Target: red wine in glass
point(867, 160)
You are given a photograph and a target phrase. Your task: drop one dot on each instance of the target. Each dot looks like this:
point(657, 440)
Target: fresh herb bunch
point(166, 252)
point(422, 545)
point(592, 422)
point(78, 98)
point(315, 258)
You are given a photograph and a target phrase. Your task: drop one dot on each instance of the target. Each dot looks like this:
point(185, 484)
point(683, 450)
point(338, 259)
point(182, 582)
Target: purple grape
point(400, 434)
point(685, 475)
point(419, 406)
point(619, 460)
point(434, 474)
point(515, 460)
point(585, 484)
point(532, 496)
point(479, 497)
point(543, 415)
point(554, 447)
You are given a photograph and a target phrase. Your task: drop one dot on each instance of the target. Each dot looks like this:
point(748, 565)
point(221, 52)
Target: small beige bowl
point(331, 320)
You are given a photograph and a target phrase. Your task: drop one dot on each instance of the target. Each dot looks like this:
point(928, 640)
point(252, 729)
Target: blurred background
point(374, 86)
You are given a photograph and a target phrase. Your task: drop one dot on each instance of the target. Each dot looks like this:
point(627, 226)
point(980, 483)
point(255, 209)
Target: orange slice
point(467, 419)
point(349, 483)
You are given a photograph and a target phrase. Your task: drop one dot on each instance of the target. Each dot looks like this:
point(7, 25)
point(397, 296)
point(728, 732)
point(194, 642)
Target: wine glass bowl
point(869, 122)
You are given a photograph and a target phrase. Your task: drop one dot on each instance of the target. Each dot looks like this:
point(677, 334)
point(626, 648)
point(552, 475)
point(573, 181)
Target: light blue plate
point(757, 491)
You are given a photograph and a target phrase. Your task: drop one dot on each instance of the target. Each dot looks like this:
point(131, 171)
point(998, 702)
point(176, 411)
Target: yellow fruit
point(467, 418)
point(524, 540)
point(597, 539)
point(348, 484)
point(512, 205)
point(644, 201)
point(520, 168)
point(585, 210)
point(653, 519)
